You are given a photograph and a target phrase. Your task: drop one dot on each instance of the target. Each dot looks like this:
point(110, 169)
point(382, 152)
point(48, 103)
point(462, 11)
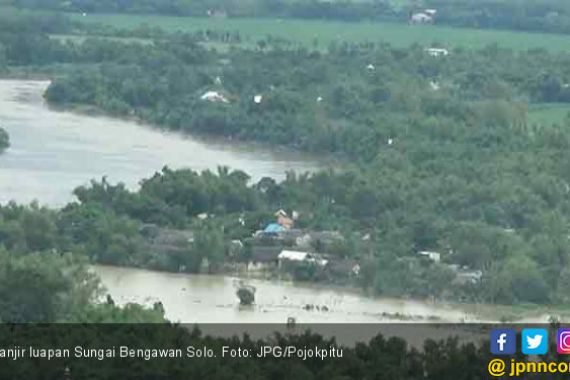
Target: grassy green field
point(307, 31)
point(548, 113)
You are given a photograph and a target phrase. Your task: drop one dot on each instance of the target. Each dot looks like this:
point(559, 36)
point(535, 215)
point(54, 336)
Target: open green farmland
point(548, 113)
point(307, 31)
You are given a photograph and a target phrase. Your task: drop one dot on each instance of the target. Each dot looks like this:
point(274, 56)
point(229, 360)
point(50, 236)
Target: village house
point(319, 240)
point(301, 257)
point(437, 52)
point(274, 228)
point(264, 258)
point(277, 234)
point(166, 241)
point(421, 18)
point(345, 268)
point(214, 97)
point(427, 16)
point(284, 220)
point(433, 256)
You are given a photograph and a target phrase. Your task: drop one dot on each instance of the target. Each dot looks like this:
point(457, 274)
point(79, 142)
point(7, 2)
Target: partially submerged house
point(167, 241)
point(274, 228)
point(264, 258)
point(301, 257)
point(343, 268)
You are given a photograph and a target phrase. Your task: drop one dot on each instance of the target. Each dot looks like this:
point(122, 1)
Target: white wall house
point(298, 256)
point(437, 52)
point(421, 18)
point(214, 97)
point(433, 256)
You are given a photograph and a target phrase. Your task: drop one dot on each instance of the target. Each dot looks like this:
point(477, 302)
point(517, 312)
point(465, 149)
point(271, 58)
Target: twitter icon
point(534, 341)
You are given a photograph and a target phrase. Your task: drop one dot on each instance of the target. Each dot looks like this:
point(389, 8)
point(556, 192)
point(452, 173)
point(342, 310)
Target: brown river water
point(53, 152)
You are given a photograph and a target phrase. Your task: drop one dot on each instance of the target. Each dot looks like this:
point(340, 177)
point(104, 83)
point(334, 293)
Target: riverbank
point(54, 152)
point(337, 162)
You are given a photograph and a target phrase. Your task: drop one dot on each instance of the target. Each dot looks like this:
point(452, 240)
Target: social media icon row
point(533, 342)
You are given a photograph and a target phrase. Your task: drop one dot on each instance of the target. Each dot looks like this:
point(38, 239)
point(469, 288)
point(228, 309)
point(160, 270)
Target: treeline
point(551, 16)
point(345, 10)
point(377, 358)
point(48, 286)
point(347, 101)
point(545, 16)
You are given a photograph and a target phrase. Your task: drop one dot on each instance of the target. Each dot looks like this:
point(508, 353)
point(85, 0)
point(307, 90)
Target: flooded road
point(53, 152)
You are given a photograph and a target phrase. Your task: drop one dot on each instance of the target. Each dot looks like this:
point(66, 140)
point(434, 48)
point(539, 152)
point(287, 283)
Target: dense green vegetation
point(544, 15)
point(445, 158)
point(4, 140)
point(47, 286)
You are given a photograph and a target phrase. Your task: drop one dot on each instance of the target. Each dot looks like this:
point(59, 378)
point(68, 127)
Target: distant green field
point(307, 31)
point(548, 113)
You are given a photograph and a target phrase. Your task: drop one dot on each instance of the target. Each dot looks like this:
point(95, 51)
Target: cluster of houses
point(280, 243)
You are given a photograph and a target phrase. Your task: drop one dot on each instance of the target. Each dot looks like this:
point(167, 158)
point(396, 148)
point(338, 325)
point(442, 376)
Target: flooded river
point(53, 152)
point(212, 299)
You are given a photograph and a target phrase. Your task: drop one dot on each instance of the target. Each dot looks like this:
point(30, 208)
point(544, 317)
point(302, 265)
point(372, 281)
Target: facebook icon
point(503, 342)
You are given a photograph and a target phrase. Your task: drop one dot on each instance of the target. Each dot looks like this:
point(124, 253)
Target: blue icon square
point(534, 341)
point(503, 342)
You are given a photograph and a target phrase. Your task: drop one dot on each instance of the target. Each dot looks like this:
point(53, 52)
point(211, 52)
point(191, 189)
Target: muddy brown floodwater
point(212, 299)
